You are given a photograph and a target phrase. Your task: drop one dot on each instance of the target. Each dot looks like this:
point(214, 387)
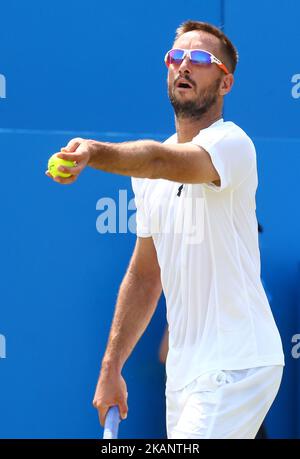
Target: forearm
point(135, 159)
point(135, 307)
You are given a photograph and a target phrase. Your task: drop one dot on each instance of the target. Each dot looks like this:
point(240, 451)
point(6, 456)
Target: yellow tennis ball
point(53, 164)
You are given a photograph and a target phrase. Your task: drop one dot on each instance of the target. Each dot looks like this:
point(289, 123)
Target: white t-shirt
point(206, 240)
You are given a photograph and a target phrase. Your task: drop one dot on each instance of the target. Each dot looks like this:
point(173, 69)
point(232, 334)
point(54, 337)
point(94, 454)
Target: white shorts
point(223, 404)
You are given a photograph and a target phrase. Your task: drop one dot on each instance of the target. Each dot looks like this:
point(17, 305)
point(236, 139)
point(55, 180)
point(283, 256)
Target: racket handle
point(111, 425)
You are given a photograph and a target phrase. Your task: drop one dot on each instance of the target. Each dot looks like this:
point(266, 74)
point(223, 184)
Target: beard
point(195, 108)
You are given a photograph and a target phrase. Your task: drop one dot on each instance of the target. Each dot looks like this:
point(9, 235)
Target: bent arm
point(137, 300)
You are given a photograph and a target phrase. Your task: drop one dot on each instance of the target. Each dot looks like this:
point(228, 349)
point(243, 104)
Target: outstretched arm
point(185, 162)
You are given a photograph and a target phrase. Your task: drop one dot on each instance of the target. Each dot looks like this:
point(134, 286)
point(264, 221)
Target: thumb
point(72, 145)
point(123, 408)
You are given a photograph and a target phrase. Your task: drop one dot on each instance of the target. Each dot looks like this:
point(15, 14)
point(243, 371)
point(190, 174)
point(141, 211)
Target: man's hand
point(111, 390)
point(78, 150)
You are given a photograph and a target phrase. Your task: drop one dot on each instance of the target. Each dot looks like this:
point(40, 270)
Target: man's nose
point(185, 65)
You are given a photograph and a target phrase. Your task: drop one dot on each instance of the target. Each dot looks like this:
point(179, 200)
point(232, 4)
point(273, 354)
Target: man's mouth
point(183, 84)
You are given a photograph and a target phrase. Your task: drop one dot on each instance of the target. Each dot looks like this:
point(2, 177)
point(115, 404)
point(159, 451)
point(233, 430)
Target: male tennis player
point(197, 239)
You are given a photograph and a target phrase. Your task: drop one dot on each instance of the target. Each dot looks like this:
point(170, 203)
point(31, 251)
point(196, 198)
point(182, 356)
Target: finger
point(69, 156)
point(65, 180)
point(102, 412)
point(71, 170)
point(58, 178)
point(73, 144)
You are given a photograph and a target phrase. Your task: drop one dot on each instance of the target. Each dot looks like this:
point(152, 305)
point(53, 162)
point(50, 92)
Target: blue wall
point(60, 276)
point(266, 102)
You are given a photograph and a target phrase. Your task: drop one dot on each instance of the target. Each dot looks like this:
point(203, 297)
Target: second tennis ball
point(54, 162)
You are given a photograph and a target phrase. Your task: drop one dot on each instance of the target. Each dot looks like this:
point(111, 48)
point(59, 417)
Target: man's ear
point(226, 84)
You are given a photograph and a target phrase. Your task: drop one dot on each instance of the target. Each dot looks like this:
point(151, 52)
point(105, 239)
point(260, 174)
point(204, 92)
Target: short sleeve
point(142, 220)
point(232, 153)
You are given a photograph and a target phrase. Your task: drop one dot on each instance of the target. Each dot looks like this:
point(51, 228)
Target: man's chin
point(185, 107)
point(183, 98)
point(183, 92)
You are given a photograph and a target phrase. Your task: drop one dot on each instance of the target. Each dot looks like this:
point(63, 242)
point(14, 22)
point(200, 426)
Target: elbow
point(156, 171)
point(162, 357)
point(156, 163)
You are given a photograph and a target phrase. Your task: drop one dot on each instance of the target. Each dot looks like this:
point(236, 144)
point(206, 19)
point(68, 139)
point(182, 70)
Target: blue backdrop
point(60, 274)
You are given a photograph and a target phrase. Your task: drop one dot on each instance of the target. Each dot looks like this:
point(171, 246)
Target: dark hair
point(228, 50)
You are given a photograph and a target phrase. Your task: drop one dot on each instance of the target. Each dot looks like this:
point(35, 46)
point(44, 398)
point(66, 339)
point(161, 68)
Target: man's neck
point(188, 128)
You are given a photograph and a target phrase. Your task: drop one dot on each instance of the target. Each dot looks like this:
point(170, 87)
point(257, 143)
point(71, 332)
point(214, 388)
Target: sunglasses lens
point(175, 56)
point(200, 57)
